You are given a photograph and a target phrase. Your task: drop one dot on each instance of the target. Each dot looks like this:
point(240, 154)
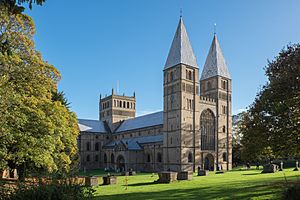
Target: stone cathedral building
point(193, 130)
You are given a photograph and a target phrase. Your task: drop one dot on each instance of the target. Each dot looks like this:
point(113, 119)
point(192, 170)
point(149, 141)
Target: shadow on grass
point(143, 184)
point(251, 174)
point(203, 193)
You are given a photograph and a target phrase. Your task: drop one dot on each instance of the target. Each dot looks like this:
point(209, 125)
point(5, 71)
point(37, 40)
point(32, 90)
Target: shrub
point(52, 191)
point(292, 192)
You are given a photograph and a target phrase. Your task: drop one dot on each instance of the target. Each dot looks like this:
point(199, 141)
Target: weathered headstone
point(129, 173)
point(132, 173)
point(270, 168)
point(5, 174)
point(281, 166)
point(12, 174)
point(109, 180)
point(202, 172)
point(91, 181)
point(124, 173)
point(78, 180)
point(185, 175)
point(167, 177)
point(297, 166)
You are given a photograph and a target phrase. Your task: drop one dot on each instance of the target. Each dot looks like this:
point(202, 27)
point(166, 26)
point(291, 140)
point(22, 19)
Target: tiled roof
point(215, 64)
point(93, 126)
point(152, 119)
point(134, 143)
point(181, 50)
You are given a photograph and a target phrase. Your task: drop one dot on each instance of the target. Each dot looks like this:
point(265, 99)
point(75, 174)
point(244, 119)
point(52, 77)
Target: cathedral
point(193, 131)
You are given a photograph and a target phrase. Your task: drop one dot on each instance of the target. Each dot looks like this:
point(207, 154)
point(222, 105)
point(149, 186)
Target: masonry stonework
point(193, 130)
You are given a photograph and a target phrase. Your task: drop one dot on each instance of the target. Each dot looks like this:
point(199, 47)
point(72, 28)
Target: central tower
point(181, 88)
point(114, 109)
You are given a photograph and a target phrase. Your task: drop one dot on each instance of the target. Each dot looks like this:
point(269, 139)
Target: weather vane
point(180, 12)
point(215, 28)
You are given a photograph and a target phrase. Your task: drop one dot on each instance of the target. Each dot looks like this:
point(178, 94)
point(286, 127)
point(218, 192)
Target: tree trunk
point(21, 172)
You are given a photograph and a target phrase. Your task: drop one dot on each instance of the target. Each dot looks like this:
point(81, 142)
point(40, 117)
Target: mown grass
point(236, 184)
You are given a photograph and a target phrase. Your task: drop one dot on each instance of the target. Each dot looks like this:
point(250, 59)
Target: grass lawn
point(236, 184)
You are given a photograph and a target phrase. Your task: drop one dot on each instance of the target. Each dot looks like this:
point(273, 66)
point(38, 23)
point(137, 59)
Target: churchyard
point(236, 184)
point(44, 142)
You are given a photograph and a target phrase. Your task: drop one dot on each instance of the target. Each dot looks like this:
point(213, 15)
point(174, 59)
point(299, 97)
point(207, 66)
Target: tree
point(60, 96)
point(254, 143)
point(273, 126)
point(37, 130)
point(237, 135)
point(17, 3)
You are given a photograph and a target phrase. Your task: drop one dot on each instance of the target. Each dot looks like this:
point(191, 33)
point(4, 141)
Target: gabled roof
point(215, 64)
point(152, 119)
point(181, 50)
point(93, 126)
point(135, 142)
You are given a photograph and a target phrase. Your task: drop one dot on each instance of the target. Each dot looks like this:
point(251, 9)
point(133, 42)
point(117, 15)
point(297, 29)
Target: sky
point(96, 44)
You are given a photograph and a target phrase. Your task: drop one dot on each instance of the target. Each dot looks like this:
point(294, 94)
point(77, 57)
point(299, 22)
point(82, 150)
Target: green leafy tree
point(237, 135)
point(37, 129)
point(60, 96)
point(16, 4)
point(272, 128)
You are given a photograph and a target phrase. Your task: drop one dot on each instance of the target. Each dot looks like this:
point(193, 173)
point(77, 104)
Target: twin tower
point(196, 126)
point(197, 110)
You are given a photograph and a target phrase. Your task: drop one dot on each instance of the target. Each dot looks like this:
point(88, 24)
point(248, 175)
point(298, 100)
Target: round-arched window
point(225, 157)
point(112, 158)
point(105, 158)
point(190, 157)
point(159, 157)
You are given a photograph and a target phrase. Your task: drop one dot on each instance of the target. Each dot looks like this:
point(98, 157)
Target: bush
point(292, 192)
point(52, 191)
point(5, 190)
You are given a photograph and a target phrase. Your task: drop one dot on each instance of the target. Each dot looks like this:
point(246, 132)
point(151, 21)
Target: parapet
point(207, 99)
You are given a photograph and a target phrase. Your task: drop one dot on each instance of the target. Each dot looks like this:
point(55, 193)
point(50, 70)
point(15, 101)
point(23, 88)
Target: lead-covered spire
point(215, 64)
point(181, 50)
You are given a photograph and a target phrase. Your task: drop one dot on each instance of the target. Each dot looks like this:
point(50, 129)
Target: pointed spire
point(181, 50)
point(215, 64)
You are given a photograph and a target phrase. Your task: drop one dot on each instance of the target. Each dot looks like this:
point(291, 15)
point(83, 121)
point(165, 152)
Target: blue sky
point(95, 44)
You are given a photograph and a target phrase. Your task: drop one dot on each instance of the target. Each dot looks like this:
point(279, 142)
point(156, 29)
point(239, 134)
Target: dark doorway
point(121, 163)
point(209, 162)
point(206, 163)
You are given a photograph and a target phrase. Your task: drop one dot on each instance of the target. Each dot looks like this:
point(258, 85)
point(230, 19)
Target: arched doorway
point(209, 162)
point(121, 163)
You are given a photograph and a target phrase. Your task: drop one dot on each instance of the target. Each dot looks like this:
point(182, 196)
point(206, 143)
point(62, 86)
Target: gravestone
point(132, 173)
point(109, 180)
point(270, 168)
point(281, 166)
point(297, 166)
point(12, 174)
point(124, 173)
point(203, 172)
point(185, 175)
point(5, 174)
point(91, 181)
point(167, 177)
point(78, 180)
